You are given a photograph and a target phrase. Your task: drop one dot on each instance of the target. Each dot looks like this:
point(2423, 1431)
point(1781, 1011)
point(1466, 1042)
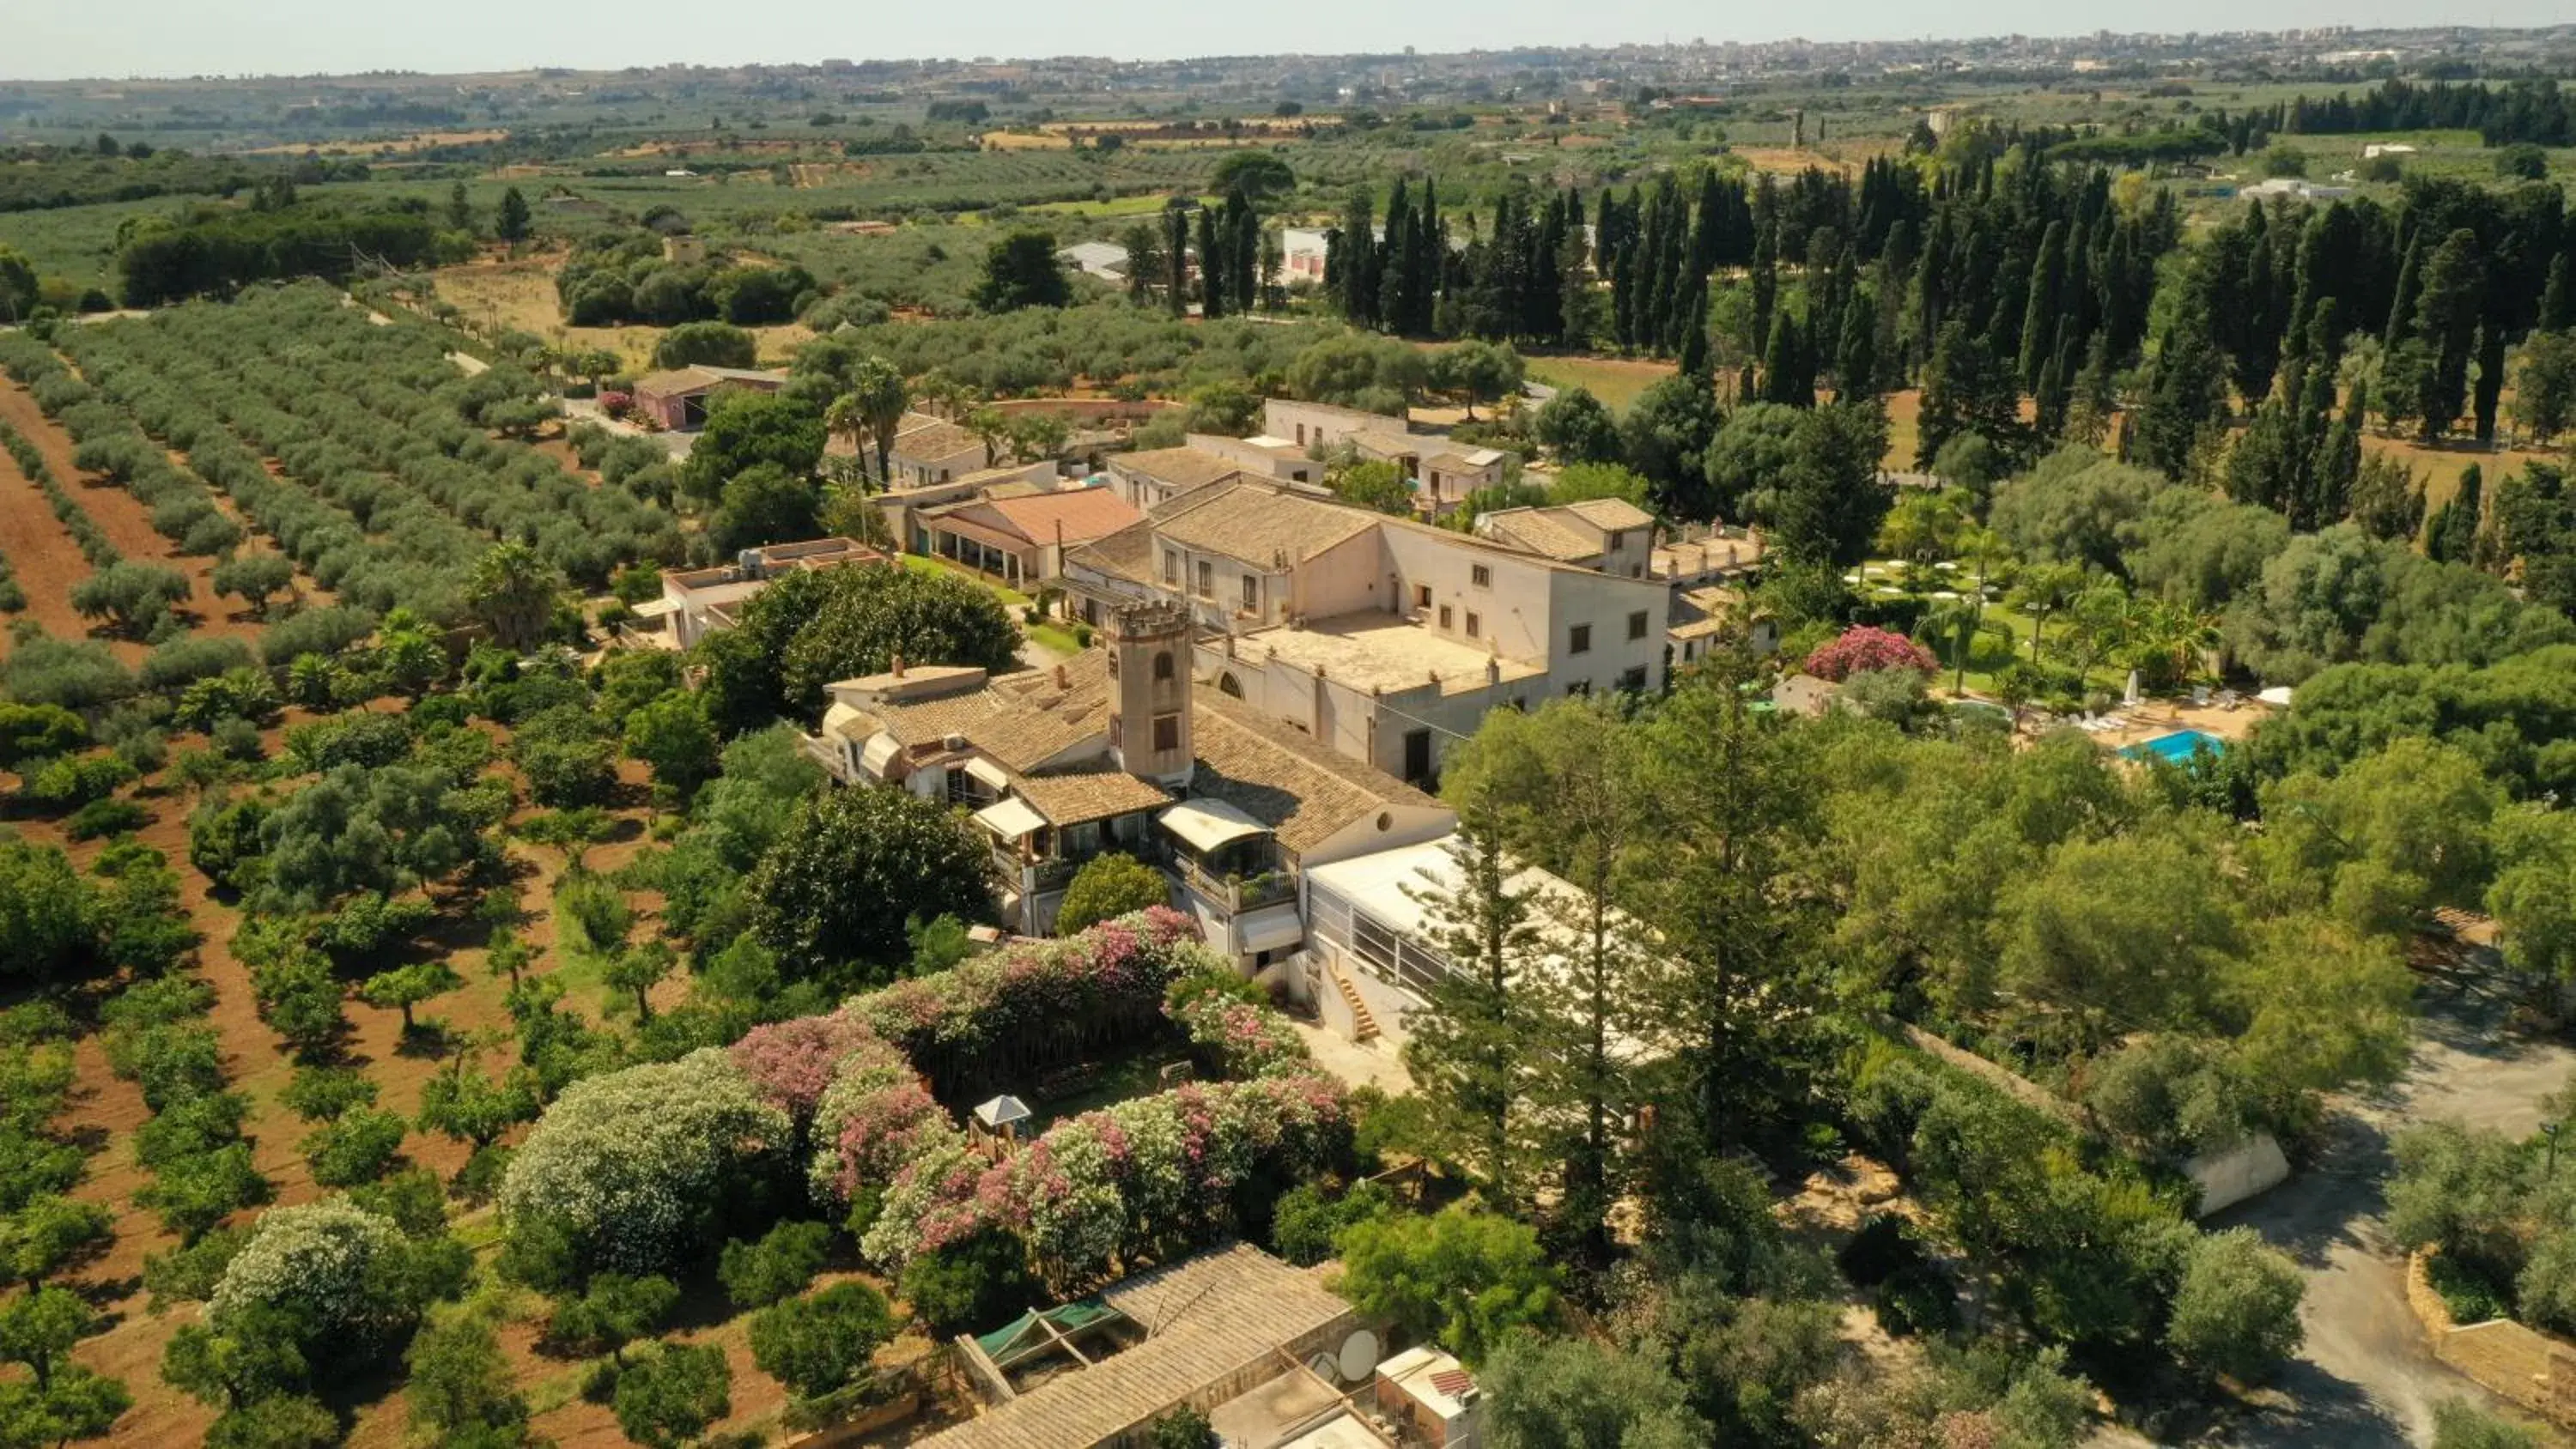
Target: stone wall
point(2514, 1362)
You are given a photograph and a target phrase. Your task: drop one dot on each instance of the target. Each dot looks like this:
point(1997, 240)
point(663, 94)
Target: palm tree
point(513, 591)
point(1957, 620)
point(2168, 640)
point(878, 396)
point(1922, 526)
point(2044, 590)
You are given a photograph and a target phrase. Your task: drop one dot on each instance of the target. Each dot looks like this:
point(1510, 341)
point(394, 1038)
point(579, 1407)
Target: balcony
point(1235, 893)
point(1034, 877)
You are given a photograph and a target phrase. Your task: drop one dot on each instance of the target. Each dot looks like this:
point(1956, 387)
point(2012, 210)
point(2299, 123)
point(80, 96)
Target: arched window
point(1162, 666)
point(1226, 684)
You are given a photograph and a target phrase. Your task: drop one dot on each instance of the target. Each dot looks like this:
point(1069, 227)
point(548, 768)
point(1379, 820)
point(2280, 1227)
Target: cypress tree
point(2555, 299)
point(1356, 255)
point(1176, 258)
point(1212, 267)
point(2401, 309)
point(1856, 355)
point(2039, 313)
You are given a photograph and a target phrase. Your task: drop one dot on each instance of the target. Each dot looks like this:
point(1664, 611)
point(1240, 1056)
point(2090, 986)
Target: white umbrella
point(2131, 696)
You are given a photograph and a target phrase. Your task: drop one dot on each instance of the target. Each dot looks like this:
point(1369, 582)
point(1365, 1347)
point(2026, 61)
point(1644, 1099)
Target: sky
point(58, 39)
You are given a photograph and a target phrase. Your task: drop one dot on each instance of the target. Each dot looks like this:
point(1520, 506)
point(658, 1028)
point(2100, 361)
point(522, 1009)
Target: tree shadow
point(2323, 1412)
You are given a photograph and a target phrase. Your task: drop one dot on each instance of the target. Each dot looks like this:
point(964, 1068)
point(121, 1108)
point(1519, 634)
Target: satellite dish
point(1323, 1367)
point(1358, 1357)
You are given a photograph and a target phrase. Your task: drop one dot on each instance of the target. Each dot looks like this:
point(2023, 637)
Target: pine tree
point(1465, 1047)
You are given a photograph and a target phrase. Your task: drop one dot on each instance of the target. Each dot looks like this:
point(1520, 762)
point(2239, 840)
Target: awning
point(880, 748)
point(2278, 696)
point(1204, 825)
point(656, 608)
point(1010, 819)
point(991, 774)
point(1269, 929)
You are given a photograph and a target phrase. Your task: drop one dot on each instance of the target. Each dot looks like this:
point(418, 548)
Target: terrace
point(1372, 650)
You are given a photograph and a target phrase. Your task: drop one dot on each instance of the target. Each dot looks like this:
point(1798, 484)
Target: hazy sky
point(52, 39)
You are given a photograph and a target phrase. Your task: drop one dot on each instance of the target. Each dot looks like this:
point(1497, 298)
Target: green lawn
point(924, 564)
point(1614, 380)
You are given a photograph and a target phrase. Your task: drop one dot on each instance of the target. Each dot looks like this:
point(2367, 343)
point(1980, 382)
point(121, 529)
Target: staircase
point(1363, 1025)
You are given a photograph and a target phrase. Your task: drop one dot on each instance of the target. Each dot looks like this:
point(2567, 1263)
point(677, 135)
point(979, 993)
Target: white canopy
point(656, 608)
point(2278, 696)
point(1010, 819)
point(991, 774)
point(1002, 1111)
point(880, 748)
point(1270, 929)
point(1206, 824)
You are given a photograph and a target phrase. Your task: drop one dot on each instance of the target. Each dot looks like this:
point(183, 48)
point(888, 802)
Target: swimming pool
point(2175, 748)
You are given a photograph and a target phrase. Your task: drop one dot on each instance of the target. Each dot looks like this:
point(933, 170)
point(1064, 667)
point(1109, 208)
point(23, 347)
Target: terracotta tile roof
point(1091, 792)
point(932, 440)
point(1610, 513)
point(1258, 523)
point(1295, 785)
point(1021, 720)
point(1532, 529)
point(1077, 515)
point(1179, 467)
point(698, 377)
point(1127, 554)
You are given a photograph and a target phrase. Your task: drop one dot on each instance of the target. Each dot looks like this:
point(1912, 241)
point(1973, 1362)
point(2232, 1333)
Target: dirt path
point(127, 523)
point(44, 559)
point(2365, 1377)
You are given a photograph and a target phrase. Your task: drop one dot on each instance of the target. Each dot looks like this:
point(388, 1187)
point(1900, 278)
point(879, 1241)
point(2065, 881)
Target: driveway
point(2365, 1378)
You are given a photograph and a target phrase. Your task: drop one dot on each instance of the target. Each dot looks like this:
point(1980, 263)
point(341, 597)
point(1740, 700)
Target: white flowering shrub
point(631, 1165)
point(333, 1266)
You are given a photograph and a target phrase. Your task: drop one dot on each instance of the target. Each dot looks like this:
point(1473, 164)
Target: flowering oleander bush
point(330, 1265)
point(1241, 1039)
point(1036, 1004)
point(629, 1166)
point(790, 1063)
point(1861, 649)
point(876, 1116)
point(634, 1165)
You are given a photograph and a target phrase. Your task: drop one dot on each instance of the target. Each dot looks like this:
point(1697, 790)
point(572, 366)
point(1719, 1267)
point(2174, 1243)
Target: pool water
point(2175, 748)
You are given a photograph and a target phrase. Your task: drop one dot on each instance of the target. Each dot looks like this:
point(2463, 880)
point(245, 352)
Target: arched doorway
point(1227, 685)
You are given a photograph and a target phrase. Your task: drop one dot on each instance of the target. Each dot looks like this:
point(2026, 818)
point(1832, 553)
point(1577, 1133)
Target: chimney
point(1493, 670)
point(895, 667)
point(1063, 677)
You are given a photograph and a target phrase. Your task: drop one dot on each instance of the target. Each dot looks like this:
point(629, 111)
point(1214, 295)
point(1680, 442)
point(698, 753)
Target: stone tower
point(1149, 692)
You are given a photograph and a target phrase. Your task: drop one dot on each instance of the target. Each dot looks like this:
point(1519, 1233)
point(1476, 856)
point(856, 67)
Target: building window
point(1611, 544)
point(1207, 579)
point(1167, 732)
point(1172, 567)
point(1475, 625)
point(1578, 640)
point(1637, 625)
point(1422, 596)
point(1444, 616)
point(1252, 591)
point(1578, 687)
point(1481, 576)
point(1634, 680)
point(1162, 666)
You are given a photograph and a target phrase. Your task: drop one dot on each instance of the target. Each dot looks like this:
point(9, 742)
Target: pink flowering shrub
point(1862, 649)
point(791, 1062)
point(1035, 1004)
point(1240, 1039)
point(617, 404)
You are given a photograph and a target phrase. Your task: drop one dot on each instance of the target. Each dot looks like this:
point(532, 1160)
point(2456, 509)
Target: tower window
point(1167, 732)
point(1162, 666)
